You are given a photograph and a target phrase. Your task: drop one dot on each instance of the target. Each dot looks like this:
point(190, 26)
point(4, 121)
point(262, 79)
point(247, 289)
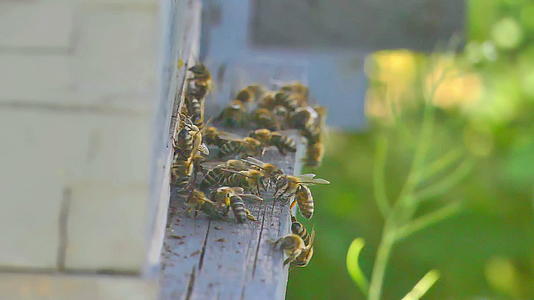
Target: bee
point(246, 147)
point(249, 94)
point(314, 154)
point(292, 245)
point(216, 176)
point(250, 180)
point(314, 132)
point(201, 79)
point(272, 138)
point(234, 115)
point(286, 100)
point(264, 118)
point(288, 184)
point(188, 141)
point(195, 108)
point(197, 201)
point(303, 118)
point(281, 115)
point(304, 199)
point(214, 136)
point(268, 169)
point(297, 89)
point(267, 101)
point(232, 197)
point(305, 256)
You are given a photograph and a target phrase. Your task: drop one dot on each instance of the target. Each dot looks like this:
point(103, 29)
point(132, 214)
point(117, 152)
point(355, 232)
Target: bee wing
point(204, 149)
point(253, 161)
point(229, 136)
point(250, 197)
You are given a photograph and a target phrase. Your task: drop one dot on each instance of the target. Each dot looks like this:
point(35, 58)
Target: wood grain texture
point(209, 259)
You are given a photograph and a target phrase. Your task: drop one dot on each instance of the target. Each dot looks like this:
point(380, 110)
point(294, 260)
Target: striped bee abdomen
point(283, 143)
point(238, 208)
point(304, 200)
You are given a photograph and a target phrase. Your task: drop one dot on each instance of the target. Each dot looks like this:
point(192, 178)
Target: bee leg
point(250, 216)
point(293, 203)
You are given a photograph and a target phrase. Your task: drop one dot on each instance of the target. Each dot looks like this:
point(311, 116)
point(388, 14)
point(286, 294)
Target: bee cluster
point(236, 174)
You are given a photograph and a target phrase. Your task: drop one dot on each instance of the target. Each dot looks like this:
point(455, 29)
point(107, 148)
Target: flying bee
point(288, 184)
point(314, 154)
point(201, 79)
point(197, 201)
point(264, 118)
point(232, 197)
point(234, 115)
point(304, 199)
point(249, 94)
point(273, 138)
point(292, 245)
point(245, 147)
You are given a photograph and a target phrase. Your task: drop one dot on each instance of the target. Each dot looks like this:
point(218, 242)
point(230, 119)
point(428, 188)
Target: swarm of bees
point(218, 172)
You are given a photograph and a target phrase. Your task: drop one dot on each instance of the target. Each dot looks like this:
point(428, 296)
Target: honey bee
point(272, 138)
point(250, 180)
point(288, 184)
point(214, 136)
point(197, 201)
point(297, 89)
point(201, 79)
point(286, 100)
point(263, 118)
point(303, 118)
point(188, 140)
point(292, 245)
point(249, 94)
point(267, 101)
point(281, 115)
point(268, 169)
point(246, 147)
point(232, 197)
point(216, 176)
point(195, 108)
point(304, 199)
point(307, 253)
point(234, 115)
point(314, 154)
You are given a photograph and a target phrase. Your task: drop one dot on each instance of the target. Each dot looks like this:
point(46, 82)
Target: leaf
point(423, 285)
point(353, 265)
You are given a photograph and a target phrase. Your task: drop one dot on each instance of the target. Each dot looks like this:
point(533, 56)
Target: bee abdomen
point(195, 109)
point(283, 143)
point(238, 207)
point(230, 147)
point(184, 144)
point(305, 201)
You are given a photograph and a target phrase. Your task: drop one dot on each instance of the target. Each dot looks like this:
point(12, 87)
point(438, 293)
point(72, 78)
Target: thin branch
point(439, 164)
point(427, 220)
point(447, 183)
point(379, 178)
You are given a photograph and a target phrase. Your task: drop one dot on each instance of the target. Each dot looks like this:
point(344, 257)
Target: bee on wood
point(286, 100)
point(216, 175)
point(269, 170)
point(250, 180)
point(288, 184)
point(292, 245)
point(188, 141)
point(304, 199)
point(234, 115)
point(195, 109)
point(273, 138)
point(242, 147)
point(298, 90)
point(305, 256)
point(267, 101)
point(264, 118)
point(197, 201)
point(249, 94)
point(202, 81)
point(232, 198)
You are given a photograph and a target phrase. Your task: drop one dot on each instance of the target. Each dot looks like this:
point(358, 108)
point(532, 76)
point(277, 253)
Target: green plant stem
point(381, 262)
point(452, 179)
point(378, 177)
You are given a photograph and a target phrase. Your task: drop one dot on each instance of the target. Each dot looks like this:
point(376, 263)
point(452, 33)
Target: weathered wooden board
point(208, 259)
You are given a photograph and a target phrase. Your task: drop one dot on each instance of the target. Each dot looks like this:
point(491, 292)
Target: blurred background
point(482, 113)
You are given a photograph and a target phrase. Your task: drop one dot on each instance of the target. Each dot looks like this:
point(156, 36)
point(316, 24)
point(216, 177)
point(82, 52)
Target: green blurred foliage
point(487, 250)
